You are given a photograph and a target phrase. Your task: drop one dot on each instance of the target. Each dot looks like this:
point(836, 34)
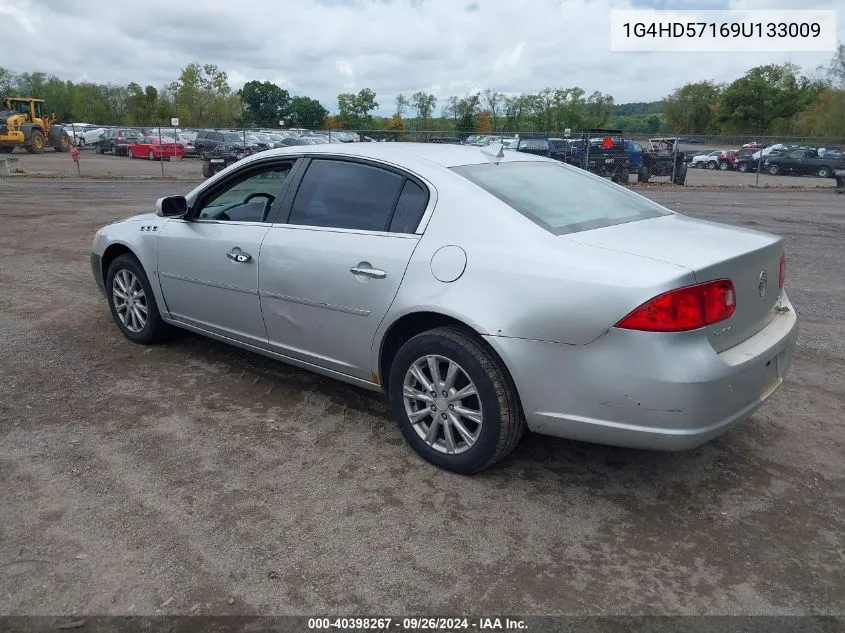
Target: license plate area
point(773, 376)
point(609, 160)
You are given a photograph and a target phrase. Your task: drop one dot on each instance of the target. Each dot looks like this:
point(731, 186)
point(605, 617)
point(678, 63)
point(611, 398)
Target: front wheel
point(743, 167)
point(823, 172)
point(152, 155)
point(132, 303)
point(454, 401)
point(723, 166)
point(206, 169)
point(774, 170)
point(711, 165)
point(642, 174)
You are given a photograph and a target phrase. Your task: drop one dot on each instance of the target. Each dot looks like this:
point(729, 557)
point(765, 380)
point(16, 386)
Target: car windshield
point(233, 137)
point(558, 198)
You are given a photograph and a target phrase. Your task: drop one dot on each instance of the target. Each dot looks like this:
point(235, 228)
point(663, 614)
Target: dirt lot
point(197, 478)
point(93, 165)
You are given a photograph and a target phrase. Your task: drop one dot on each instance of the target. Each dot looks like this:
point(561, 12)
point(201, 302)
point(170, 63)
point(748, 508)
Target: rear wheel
point(643, 174)
point(743, 167)
point(823, 172)
point(454, 401)
point(152, 155)
point(774, 170)
point(206, 169)
point(132, 303)
point(681, 175)
point(36, 142)
point(711, 165)
point(723, 165)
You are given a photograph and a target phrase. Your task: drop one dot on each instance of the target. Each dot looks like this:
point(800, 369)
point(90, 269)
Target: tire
point(774, 170)
point(62, 142)
point(723, 166)
point(154, 329)
point(502, 423)
point(823, 172)
point(152, 155)
point(623, 177)
point(681, 175)
point(36, 142)
point(642, 174)
point(100, 149)
point(80, 142)
point(742, 167)
point(206, 169)
point(711, 165)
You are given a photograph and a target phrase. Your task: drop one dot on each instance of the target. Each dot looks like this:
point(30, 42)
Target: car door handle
point(238, 256)
point(375, 273)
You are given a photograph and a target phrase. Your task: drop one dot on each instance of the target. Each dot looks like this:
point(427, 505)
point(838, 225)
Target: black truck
point(603, 153)
point(223, 155)
point(801, 162)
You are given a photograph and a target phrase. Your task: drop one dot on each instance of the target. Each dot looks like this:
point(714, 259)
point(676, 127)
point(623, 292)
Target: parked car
point(525, 294)
point(533, 144)
point(116, 141)
point(224, 155)
point(207, 140)
point(187, 138)
point(729, 158)
point(90, 137)
point(156, 148)
point(605, 154)
point(710, 159)
point(802, 162)
point(635, 153)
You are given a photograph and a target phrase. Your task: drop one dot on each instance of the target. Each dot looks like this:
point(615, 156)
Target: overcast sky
point(322, 47)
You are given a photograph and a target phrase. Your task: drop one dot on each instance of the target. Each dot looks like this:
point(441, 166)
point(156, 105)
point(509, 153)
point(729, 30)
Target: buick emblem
point(763, 284)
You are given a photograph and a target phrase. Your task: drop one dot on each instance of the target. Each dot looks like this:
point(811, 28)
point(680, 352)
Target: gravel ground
point(93, 165)
point(198, 478)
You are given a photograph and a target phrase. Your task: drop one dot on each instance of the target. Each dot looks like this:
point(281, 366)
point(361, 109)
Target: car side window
point(409, 209)
point(345, 195)
point(247, 199)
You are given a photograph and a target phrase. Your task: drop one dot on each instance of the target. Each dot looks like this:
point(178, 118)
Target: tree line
point(766, 100)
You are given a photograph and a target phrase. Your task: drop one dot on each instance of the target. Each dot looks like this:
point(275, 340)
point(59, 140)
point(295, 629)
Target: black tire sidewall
point(431, 343)
point(152, 329)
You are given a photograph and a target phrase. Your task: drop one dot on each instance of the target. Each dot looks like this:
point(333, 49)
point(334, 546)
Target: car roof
point(442, 154)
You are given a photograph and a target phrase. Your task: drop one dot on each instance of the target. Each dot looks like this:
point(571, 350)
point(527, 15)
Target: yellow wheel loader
point(23, 123)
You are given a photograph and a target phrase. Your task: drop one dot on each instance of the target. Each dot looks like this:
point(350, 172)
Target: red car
point(155, 149)
point(730, 158)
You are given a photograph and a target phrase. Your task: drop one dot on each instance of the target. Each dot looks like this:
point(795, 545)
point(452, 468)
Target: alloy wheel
point(442, 404)
point(130, 300)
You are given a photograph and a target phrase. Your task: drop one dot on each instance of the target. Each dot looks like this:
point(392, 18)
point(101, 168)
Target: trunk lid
point(750, 259)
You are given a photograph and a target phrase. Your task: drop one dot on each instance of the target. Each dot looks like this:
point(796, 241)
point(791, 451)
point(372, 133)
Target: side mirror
point(171, 206)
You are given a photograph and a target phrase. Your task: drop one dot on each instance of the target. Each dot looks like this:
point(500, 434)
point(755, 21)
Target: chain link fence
point(688, 159)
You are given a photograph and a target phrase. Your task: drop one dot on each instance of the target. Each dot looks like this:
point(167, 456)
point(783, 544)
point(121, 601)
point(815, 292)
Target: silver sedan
point(486, 292)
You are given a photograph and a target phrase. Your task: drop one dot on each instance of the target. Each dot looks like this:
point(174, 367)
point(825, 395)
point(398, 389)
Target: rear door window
point(346, 195)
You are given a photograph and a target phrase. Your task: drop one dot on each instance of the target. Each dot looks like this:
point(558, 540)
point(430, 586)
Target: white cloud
point(322, 47)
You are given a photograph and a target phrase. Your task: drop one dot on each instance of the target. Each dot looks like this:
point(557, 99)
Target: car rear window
point(559, 198)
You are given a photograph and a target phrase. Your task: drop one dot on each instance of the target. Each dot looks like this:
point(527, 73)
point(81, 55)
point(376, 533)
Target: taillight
point(682, 309)
point(782, 275)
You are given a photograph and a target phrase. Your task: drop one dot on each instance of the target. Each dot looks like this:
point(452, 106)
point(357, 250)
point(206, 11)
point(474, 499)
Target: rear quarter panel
point(521, 281)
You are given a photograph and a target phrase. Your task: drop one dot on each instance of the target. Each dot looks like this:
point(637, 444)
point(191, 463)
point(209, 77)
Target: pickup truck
point(801, 162)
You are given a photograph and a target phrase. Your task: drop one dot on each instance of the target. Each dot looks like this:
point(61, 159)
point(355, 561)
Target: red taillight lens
point(682, 309)
point(608, 142)
point(782, 276)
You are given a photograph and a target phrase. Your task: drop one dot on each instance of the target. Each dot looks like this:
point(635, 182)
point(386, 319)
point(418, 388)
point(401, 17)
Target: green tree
point(597, 110)
point(692, 107)
point(767, 99)
point(493, 101)
point(202, 95)
point(348, 108)
point(424, 103)
point(466, 109)
point(365, 102)
point(307, 112)
point(264, 102)
point(402, 105)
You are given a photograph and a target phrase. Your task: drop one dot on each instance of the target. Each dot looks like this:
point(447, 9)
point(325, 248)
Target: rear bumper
point(646, 390)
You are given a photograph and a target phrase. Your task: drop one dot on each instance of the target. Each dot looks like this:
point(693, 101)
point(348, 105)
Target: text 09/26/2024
point(723, 31)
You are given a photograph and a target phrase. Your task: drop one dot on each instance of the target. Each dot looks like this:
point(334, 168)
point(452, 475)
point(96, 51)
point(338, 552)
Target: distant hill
point(642, 107)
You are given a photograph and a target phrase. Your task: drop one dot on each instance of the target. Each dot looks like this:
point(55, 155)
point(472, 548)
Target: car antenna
point(497, 155)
